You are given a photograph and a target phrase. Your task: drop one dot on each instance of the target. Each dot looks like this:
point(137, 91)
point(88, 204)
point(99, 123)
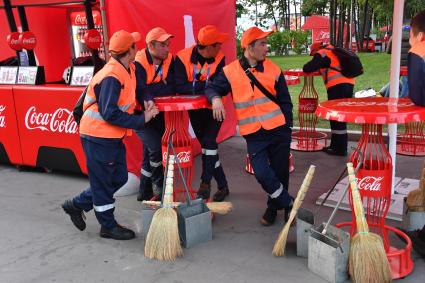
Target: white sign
point(27, 75)
point(8, 75)
point(60, 121)
point(2, 117)
point(81, 76)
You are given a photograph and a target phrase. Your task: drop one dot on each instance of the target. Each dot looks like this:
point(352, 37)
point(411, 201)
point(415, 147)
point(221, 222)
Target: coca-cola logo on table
point(374, 103)
point(184, 156)
point(370, 183)
point(60, 121)
point(27, 40)
point(2, 117)
point(13, 41)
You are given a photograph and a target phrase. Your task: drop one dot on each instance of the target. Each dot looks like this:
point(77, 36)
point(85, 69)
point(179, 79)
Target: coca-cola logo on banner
point(307, 105)
point(27, 40)
point(13, 41)
point(92, 39)
point(60, 121)
point(184, 155)
point(80, 19)
point(2, 117)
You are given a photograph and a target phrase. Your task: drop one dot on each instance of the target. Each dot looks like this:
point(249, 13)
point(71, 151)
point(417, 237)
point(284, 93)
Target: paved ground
point(38, 243)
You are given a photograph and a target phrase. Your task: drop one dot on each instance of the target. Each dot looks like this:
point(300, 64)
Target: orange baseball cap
point(209, 35)
point(315, 46)
point(158, 34)
point(253, 34)
point(122, 40)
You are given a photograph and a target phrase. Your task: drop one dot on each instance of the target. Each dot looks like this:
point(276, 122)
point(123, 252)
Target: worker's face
point(132, 53)
point(414, 39)
point(159, 49)
point(212, 50)
point(258, 51)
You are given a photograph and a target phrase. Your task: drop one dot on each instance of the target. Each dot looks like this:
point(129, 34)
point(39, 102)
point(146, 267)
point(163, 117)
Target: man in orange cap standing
point(195, 68)
point(108, 116)
point(337, 86)
point(264, 112)
point(155, 77)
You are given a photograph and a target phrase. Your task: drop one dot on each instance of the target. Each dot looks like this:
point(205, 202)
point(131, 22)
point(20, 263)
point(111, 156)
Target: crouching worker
point(264, 112)
point(107, 119)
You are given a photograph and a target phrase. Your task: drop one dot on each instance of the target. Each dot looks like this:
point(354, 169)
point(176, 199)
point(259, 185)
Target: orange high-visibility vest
point(206, 71)
point(330, 76)
point(150, 68)
point(254, 110)
point(92, 122)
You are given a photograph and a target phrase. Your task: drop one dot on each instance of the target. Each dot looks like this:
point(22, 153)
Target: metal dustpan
point(194, 217)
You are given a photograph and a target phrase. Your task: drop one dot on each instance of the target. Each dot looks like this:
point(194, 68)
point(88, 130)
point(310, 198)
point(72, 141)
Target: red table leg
point(182, 142)
point(374, 180)
point(412, 142)
point(307, 138)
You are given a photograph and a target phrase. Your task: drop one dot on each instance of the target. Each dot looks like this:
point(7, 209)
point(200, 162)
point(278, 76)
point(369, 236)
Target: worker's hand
point(151, 113)
point(149, 104)
point(219, 113)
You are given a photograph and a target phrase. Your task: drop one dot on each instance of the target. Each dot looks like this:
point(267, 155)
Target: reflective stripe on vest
point(253, 109)
point(150, 69)
point(92, 123)
point(206, 71)
point(332, 77)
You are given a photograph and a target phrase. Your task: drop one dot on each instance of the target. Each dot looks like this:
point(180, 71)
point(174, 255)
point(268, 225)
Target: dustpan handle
point(188, 199)
point(170, 142)
point(345, 192)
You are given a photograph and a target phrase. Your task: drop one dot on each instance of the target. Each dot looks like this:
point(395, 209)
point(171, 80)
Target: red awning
point(316, 22)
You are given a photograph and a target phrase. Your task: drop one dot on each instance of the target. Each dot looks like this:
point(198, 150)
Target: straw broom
point(368, 262)
point(416, 198)
point(223, 207)
point(163, 240)
point(279, 245)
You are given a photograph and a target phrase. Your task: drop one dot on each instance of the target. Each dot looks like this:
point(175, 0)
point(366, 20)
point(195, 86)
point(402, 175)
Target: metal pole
point(104, 29)
point(24, 25)
point(11, 21)
point(395, 75)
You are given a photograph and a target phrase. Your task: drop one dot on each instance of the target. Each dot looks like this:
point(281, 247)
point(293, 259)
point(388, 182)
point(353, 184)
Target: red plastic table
point(375, 175)
point(307, 138)
point(175, 119)
point(290, 80)
point(412, 141)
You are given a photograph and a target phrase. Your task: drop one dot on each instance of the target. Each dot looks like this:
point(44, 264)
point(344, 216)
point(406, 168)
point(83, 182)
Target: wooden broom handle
point(357, 202)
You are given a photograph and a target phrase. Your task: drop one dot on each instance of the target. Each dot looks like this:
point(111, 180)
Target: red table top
point(299, 72)
point(292, 80)
point(375, 110)
point(181, 102)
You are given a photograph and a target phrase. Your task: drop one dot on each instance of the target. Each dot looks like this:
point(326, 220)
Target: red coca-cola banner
point(307, 105)
point(374, 183)
point(80, 19)
point(183, 154)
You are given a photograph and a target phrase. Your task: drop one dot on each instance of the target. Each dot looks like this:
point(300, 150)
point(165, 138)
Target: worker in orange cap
point(195, 68)
point(264, 111)
point(155, 77)
point(107, 119)
point(337, 86)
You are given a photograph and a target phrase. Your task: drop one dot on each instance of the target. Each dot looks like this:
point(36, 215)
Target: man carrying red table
point(195, 68)
point(337, 86)
point(264, 112)
point(107, 119)
point(155, 77)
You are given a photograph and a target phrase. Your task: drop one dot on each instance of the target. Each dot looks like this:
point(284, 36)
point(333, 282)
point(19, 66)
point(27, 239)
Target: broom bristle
point(280, 244)
point(364, 250)
point(416, 200)
point(163, 240)
point(223, 207)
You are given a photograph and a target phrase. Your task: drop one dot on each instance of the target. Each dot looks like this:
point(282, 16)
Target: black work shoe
point(204, 191)
point(117, 233)
point(269, 217)
point(76, 214)
point(329, 150)
point(221, 194)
